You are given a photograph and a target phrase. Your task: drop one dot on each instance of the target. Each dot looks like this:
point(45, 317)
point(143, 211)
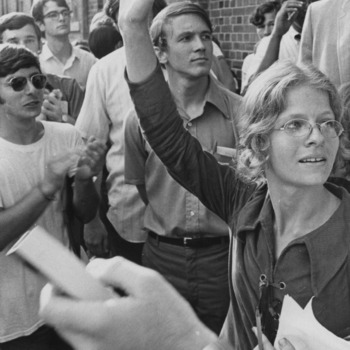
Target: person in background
point(263, 19)
point(82, 44)
point(104, 39)
point(284, 41)
point(39, 160)
point(221, 69)
point(325, 39)
point(58, 55)
point(63, 95)
point(186, 243)
point(106, 107)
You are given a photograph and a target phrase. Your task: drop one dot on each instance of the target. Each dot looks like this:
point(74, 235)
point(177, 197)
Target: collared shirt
point(214, 128)
point(106, 106)
point(77, 66)
point(316, 264)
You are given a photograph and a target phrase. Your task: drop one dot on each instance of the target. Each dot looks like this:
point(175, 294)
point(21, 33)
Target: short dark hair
point(258, 16)
point(37, 9)
point(17, 20)
point(111, 8)
point(15, 57)
point(104, 40)
point(171, 11)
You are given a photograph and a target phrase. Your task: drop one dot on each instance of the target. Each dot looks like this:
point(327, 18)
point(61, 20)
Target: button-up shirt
point(173, 211)
point(77, 66)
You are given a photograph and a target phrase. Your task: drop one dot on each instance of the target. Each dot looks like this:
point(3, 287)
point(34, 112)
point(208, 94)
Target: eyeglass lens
point(56, 15)
point(299, 127)
point(19, 83)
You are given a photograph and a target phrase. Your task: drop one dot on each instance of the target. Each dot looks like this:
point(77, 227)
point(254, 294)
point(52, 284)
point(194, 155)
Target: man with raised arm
point(190, 246)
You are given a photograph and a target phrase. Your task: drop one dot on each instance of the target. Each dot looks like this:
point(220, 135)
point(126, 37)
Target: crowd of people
point(201, 202)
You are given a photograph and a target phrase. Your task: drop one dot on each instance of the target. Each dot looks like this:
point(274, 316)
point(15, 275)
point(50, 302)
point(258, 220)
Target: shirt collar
point(217, 97)
point(46, 53)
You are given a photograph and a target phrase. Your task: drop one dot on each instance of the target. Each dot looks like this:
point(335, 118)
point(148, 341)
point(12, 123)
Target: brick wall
point(233, 29)
point(230, 19)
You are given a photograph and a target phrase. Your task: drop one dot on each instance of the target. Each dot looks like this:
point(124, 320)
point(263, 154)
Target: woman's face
point(265, 29)
point(307, 160)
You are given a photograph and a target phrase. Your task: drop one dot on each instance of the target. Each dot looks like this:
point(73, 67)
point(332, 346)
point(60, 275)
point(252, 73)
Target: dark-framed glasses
point(19, 83)
point(302, 127)
point(55, 15)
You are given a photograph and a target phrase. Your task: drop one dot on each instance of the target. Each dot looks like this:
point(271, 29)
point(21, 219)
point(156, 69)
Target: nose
point(267, 31)
point(29, 88)
point(198, 43)
point(315, 136)
point(61, 16)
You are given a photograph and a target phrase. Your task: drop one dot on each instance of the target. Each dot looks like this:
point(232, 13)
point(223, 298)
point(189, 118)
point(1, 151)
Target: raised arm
point(182, 154)
point(133, 21)
point(284, 20)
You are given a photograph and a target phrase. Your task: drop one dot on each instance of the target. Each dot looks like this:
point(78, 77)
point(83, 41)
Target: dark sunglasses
point(19, 83)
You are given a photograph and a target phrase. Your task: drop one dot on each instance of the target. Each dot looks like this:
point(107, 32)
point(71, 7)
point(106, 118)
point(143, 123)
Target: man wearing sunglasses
point(63, 95)
point(37, 159)
point(58, 56)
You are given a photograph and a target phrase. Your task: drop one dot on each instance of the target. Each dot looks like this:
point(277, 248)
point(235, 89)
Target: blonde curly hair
point(264, 101)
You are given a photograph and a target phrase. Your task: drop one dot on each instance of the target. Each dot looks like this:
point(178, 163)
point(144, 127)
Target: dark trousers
point(45, 338)
point(200, 275)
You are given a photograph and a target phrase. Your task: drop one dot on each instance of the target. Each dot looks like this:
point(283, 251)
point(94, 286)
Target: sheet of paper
point(302, 329)
point(59, 265)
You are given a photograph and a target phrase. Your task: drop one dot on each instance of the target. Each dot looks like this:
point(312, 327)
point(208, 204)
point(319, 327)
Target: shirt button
point(192, 213)
point(189, 124)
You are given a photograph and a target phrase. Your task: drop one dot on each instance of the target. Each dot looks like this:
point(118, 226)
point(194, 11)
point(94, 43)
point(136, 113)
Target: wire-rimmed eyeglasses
point(302, 127)
point(55, 15)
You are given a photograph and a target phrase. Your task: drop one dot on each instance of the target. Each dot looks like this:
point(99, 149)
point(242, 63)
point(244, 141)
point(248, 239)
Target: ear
point(161, 55)
point(41, 25)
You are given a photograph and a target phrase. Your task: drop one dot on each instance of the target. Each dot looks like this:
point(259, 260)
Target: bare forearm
point(271, 54)
point(16, 220)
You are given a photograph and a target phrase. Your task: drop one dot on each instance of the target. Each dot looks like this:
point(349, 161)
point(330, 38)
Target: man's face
point(56, 21)
point(24, 104)
point(24, 36)
point(189, 51)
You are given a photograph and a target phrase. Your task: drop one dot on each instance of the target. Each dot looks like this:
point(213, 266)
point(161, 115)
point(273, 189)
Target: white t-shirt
point(21, 168)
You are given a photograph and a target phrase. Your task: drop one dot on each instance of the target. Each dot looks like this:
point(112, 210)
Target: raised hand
point(286, 16)
point(133, 12)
